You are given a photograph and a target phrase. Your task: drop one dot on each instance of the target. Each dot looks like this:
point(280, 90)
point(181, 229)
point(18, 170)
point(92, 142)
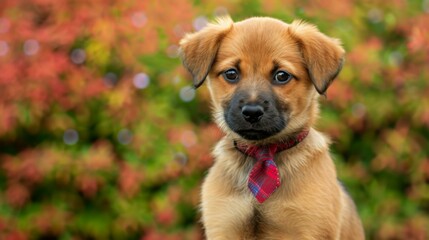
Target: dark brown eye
point(231, 75)
point(282, 77)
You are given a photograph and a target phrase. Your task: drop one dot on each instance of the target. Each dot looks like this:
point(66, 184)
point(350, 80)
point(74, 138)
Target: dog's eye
point(231, 75)
point(282, 77)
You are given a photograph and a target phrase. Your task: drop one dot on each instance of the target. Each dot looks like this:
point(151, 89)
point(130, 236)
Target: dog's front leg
point(225, 211)
point(227, 220)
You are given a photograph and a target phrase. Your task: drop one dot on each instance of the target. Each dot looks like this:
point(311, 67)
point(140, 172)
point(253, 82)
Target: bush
point(101, 137)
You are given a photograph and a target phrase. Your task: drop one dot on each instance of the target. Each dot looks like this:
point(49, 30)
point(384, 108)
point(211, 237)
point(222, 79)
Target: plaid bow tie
point(264, 178)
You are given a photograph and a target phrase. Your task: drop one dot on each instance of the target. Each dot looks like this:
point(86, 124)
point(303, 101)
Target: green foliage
point(100, 138)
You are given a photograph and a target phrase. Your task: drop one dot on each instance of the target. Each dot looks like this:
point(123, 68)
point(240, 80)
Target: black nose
point(252, 113)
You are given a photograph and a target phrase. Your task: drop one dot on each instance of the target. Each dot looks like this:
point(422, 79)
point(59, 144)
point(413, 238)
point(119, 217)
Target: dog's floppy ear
point(322, 55)
point(198, 50)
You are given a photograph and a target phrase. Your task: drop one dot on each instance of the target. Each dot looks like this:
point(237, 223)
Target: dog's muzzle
point(254, 119)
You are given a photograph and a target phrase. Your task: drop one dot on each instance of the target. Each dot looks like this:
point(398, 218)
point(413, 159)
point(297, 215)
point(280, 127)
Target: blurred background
point(102, 137)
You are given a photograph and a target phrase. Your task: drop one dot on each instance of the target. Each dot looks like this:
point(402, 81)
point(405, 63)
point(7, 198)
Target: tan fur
point(310, 203)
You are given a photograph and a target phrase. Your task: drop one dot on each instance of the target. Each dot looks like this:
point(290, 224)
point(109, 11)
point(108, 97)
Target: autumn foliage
point(101, 136)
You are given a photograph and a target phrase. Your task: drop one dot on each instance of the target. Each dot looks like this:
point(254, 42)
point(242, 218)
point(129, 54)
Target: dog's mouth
point(262, 129)
point(253, 134)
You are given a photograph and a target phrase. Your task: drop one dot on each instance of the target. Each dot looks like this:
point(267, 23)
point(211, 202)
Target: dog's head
point(264, 75)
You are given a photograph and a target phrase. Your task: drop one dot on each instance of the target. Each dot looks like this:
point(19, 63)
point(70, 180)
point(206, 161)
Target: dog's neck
point(279, 146)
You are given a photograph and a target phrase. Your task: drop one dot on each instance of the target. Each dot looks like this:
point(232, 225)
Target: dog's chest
point(268, 219)
point(261, 224)
point(256, 224)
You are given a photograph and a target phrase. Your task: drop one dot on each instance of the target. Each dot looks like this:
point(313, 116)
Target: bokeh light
point(31, 47)
point(138, 19)
point(187, 93)
point(70, 137)
point(78, 56)
point(110, 79)
point(188, 138)
point(181, 158)
point(125, 136)
point(141, 80)
point(200, 22)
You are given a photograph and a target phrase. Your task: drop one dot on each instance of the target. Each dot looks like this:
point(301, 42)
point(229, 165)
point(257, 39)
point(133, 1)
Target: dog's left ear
point(323, 55)
point(198, 50)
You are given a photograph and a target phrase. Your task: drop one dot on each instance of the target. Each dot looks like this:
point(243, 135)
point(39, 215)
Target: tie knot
point(262, 152)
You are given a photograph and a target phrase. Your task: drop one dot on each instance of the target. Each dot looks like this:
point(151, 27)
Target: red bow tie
point(264, 177)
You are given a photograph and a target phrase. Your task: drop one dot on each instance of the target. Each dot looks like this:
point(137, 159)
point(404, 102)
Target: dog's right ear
point(323, 56)
point(198, 50)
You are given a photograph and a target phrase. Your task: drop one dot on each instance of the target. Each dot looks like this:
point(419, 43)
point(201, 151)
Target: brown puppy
point(265, 77)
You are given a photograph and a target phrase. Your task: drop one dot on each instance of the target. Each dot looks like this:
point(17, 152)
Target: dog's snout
point(252, 113)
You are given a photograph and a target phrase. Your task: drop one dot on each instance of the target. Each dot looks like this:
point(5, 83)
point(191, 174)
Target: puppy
point(273, 177)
